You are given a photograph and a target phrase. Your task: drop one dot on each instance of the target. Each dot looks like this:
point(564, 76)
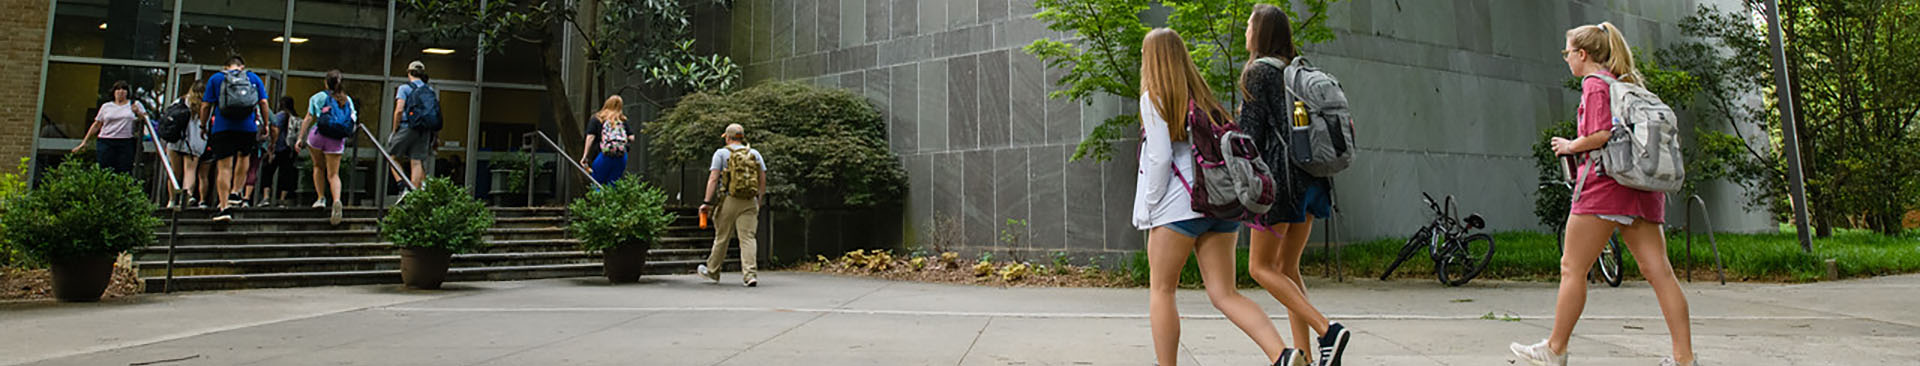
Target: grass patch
point(1530, 256)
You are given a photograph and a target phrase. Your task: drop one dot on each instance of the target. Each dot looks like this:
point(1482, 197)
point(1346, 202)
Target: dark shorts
point(1196, 227)
point(1317, 201)
point(411, 144)
point(227, 144)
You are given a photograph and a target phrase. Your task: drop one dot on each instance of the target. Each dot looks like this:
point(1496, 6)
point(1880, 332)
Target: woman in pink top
point(118, 131)
point(1606, 206)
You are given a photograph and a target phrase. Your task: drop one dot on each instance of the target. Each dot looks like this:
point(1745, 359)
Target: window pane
point(447, 58)
point(211, 31)
point(118, 29)
point(331, 35)
point(520, 63)
point(507, 114)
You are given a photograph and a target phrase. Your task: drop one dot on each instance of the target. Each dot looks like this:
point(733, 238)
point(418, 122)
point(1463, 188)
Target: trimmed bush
point(627, 212)
point(80, 210)
point(439, 215)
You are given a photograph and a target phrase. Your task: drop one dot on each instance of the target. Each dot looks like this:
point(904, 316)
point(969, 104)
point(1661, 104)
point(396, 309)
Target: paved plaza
point(812, 319)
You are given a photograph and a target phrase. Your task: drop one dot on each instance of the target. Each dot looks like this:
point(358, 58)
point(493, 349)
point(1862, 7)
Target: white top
point(116, 120)
point(1159, 198)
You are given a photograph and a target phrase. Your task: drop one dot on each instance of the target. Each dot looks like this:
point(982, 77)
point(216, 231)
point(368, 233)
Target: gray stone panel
point(906, 18)
point(1020, 32)
point(1028, 100)
point(1022, 8)
point(1046, 173)
point(905, 50)
point(804, 25)
point(962, 13)
point(994, 106)
point(1010, 191)
point(783, 16)
point(879, 20)
point(1120, 179)
point(993, 10)
point(853, 81)
point(932, 17)
point(827, 33)
point(740, 36)
point(933, 106)
point(1086, 210)
point(920, 193)
point(853, 22)
point(1063, 115)
point(949, 170)
point(962, 103)
point(878, 83)
point(977, 201)
point(903, 115)
point(963, 41)
point(763, 33)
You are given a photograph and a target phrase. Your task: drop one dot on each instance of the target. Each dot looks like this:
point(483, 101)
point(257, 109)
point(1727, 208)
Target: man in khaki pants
point(744, 175)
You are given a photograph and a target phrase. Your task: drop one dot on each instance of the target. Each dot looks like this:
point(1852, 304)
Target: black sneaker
point(1333, 344)
point(234, 199)
point(225, 215)
point(1290, 357)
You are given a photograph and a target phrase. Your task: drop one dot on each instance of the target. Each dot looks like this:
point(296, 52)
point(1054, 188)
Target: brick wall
point(23, 35)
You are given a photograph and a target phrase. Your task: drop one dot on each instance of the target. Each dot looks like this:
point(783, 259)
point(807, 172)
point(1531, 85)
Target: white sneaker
point(1538, 354)
point(1670, 362)
point(715, 276)
point(320, 203)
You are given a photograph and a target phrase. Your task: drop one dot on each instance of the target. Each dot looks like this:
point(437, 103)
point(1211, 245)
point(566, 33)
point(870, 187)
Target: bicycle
point(1457, 256)
point(1607, 267)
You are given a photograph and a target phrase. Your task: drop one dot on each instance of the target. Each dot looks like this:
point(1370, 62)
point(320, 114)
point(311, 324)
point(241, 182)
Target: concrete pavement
point(811, 319)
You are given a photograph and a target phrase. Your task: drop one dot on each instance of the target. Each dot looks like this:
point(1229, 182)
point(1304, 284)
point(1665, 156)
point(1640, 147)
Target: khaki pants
point(736, 217)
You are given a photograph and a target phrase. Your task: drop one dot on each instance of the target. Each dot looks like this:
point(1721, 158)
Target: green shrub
point(12, 185)
point(825, 147)
point(520, 163)
point(80, 210)
point(627, 212)
point(439, 215)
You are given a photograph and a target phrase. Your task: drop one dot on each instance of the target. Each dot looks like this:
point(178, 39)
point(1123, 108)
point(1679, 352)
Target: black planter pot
point(625, 263)
point(424, 268)
point(82, 279)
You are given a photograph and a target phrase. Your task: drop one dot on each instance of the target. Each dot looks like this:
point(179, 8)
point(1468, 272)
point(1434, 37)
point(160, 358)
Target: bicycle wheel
point(1414, 244)
point(1465, 259)
point(1609, 266)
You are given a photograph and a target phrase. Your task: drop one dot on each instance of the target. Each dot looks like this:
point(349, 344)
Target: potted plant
point(78, 221)
point(510, 172)
point(432, 224)
point(621, 221)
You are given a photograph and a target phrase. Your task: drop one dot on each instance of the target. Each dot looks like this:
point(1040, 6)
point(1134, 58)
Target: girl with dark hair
point(1280, 236)
point(324, 150)
point(279, 170)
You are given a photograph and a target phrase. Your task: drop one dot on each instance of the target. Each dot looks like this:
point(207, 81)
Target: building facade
point(1448, 96)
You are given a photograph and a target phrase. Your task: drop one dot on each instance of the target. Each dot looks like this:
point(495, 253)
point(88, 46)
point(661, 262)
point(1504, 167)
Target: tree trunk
point(556, 82)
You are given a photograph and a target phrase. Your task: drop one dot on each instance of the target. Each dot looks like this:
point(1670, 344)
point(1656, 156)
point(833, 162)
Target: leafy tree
point(649, 38)
point(1105, 57)
point(1855, 96)
point(825, 148)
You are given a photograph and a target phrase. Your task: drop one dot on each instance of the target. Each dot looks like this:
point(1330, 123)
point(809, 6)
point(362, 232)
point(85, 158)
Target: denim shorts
point(1317, 200)
point(1195, 227)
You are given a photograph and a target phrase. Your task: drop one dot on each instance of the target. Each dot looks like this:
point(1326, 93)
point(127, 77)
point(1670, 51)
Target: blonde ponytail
point(1621, 62)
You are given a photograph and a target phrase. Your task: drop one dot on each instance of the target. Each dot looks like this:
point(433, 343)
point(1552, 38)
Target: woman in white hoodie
point(1170, 89)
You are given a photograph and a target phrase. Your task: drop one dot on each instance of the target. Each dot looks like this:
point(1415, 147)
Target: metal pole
point(1783, 89)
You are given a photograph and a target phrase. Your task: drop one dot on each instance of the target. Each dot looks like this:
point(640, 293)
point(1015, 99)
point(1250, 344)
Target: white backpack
point(1644, 152)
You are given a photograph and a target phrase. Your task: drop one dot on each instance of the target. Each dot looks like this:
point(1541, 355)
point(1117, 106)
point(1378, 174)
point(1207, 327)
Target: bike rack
point(1720, 267)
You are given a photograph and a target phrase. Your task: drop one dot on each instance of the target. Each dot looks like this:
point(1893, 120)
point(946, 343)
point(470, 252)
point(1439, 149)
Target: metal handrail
point(563, 155)
point(1720, 267)
point(391, 164)
point(173, 182)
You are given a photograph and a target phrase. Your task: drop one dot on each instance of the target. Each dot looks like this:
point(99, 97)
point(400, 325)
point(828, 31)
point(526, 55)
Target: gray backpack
point(1325, 146)
point(1644, 152)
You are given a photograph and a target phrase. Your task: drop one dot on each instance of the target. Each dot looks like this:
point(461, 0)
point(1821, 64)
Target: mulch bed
point(37, 284)
point(962, 272)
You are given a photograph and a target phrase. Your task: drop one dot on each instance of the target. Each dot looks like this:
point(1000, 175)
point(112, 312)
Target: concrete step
point(339, 236)
point(323, 224)
point(385, 276)
point(295, 250)
point(303, 211)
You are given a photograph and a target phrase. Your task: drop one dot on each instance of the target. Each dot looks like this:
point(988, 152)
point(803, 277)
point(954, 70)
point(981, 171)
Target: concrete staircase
point(293, 247)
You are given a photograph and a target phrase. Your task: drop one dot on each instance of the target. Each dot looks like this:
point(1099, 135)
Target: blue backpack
point(423, 108)
point(336, 119)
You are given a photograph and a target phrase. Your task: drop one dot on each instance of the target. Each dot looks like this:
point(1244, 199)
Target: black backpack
point(238, 96)
point(174, 120)
point(423, 108)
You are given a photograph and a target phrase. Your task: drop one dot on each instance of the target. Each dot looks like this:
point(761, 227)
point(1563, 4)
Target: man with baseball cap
point(415, 126)
point(742, 174)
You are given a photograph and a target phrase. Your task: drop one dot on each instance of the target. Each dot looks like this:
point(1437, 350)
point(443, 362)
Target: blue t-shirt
point(222, 123)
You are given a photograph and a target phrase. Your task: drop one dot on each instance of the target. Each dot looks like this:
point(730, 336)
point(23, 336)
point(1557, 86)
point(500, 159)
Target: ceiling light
point(296, 40)
point(438, 51)
point(103, 26)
